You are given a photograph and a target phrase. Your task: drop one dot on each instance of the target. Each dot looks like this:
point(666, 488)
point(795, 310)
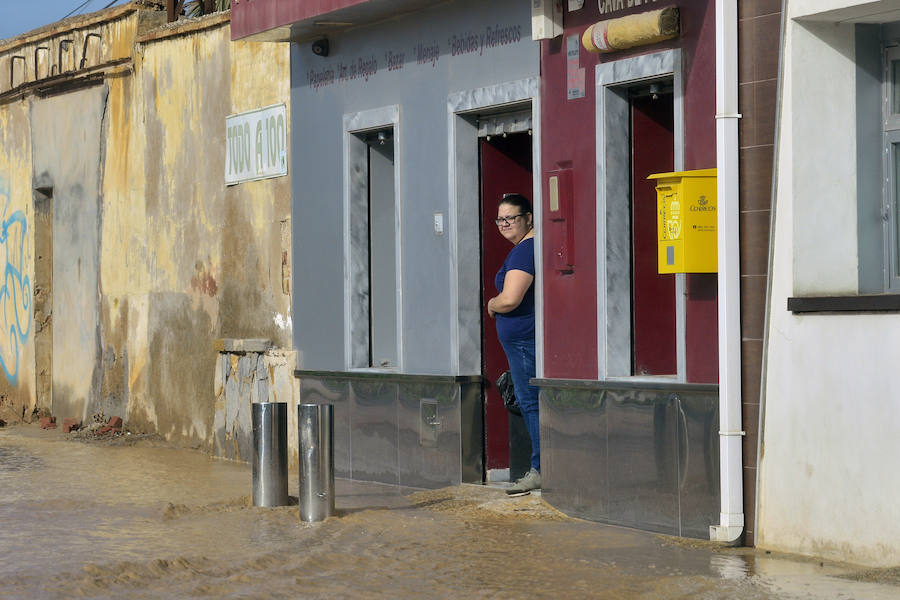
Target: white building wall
point(831, 422)
point(824, 188)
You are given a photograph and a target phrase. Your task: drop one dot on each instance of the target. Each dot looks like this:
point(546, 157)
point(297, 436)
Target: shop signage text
point(256, 144)
point(611, 6)
point(425, 53)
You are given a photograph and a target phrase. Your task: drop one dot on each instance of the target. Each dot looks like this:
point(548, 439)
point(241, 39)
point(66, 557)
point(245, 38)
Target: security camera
point(320, 47)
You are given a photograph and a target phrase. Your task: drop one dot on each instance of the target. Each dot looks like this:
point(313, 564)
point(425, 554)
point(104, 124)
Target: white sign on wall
point(256, 144)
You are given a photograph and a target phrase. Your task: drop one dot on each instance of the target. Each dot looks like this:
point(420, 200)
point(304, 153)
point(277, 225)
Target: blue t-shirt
point(517, 324)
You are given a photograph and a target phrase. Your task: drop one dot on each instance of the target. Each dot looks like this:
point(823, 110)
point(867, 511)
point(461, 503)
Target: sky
point(19, 16)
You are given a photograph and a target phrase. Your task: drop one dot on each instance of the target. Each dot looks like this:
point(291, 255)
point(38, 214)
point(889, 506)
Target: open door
point(654, 342)
point(506, 167)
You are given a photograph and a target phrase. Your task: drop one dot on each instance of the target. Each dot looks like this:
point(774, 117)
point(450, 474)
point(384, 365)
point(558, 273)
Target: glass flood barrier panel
point(643, 458)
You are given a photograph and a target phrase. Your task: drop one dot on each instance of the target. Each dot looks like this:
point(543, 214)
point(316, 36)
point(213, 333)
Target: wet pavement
point(136, 519)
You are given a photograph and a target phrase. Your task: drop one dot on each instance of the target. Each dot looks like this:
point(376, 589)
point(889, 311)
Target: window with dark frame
point(891, 168)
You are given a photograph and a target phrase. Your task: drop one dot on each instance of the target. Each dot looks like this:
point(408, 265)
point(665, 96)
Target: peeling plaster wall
point(55, 94)
point(191, 261)
point(80, 43)
point(154, 257)
point(125, 262)
point(68, 138)
point(17, 351)
point(244, 378)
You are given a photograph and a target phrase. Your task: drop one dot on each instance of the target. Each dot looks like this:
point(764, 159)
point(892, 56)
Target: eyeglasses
point(507, 220)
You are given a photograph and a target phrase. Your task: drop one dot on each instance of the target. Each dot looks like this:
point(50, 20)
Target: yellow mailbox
point(686, 221)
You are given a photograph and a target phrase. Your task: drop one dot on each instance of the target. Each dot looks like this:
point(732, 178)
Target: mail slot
point(686, 221)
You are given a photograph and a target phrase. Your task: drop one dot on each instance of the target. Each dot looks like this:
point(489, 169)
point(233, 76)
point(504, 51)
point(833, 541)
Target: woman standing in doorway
point(513, 308)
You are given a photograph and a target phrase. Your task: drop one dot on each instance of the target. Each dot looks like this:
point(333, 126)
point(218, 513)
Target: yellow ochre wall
point(183, 259)
point(17, 396)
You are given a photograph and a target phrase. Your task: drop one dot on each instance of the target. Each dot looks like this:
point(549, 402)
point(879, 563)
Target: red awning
point(305, 20)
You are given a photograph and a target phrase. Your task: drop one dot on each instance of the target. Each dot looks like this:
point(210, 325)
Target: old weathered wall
point(249, 371)
point(187, 260)
point(67, 146)
point(16, 242)
point(54, 93)
point(115, 210)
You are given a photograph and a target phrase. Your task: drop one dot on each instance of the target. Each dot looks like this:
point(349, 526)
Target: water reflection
point(730, 566)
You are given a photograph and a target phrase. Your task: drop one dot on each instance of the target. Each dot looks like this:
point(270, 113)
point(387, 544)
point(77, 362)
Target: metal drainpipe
point(731, 518)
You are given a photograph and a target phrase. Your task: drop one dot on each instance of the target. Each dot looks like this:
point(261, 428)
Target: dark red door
point(653, 295)
point(505, 168)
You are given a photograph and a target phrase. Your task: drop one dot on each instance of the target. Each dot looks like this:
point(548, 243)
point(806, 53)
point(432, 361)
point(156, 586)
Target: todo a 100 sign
point(256, 144)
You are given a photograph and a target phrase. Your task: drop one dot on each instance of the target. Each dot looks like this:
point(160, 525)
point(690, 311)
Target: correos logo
point(703, 201)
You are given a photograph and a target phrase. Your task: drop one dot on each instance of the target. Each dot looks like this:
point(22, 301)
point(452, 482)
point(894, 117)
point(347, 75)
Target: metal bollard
point(270, 466)
point(315, 425)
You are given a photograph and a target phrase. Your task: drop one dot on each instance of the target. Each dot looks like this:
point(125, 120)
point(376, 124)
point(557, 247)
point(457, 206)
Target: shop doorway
point(382, 251)
point(373, 261)
point(640, 130)
point(505, 167)
point(492, 153)
point(653, 314)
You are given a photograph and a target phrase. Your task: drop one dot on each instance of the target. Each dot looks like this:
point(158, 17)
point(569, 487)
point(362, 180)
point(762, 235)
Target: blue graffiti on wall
point(15, 287)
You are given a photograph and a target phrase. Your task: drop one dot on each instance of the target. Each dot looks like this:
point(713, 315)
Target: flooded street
point(112, 520)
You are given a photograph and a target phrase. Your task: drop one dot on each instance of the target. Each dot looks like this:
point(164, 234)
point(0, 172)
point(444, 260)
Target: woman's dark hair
point(519, 201)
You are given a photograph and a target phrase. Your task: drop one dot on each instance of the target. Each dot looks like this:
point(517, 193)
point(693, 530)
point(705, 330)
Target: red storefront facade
point(569, 140)
point(629, 391)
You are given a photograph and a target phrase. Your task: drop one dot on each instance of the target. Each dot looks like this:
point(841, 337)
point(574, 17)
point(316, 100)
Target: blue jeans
point(520, 355)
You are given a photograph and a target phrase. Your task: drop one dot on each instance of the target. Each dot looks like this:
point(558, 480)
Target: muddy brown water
point(96, 520)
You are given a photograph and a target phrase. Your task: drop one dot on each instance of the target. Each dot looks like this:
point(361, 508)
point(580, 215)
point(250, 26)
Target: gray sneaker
point(531, 481)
